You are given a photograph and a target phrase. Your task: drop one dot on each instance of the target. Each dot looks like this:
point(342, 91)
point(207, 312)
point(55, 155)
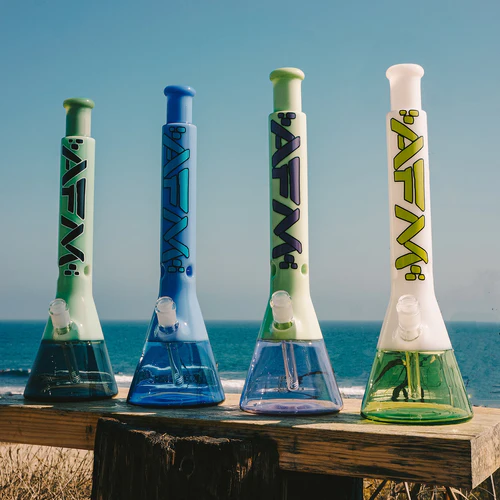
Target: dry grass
point(43, 473)
point(391, 490)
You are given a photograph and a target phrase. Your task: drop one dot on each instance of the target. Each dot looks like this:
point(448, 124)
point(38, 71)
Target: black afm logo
point(75, 197)
point(289, 180)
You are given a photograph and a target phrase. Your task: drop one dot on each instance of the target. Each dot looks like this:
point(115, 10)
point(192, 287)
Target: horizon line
point(147, 320)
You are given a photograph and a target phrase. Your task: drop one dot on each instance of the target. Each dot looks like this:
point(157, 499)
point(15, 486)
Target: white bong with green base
point(415, 377)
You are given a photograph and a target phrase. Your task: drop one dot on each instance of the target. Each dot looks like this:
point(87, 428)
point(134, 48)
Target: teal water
point(351, 346)
point(71, 371)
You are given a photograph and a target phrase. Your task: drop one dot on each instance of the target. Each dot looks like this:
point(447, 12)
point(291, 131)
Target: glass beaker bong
point(415, 377)
point(290, 372)
point(72, 362)
point(177, 367)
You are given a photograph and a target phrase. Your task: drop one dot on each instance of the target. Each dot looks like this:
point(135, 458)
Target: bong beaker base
point(416, 387)
point(290, 377)
point(176, 374)
point(71, 371)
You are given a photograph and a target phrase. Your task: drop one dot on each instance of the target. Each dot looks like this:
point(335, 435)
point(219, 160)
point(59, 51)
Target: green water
point(416, 387)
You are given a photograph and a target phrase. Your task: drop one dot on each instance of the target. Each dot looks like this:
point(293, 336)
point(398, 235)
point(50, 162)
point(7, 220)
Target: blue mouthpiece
point(179, 103)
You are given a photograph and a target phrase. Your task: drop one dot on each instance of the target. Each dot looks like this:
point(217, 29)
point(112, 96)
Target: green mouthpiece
point(287, 92)
point(78, 111)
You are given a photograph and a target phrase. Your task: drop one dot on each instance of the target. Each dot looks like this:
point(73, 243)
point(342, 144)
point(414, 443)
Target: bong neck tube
point(178, 218)
point(410, 216)
point(288, 181)
point(76, 225)
point(409, 194)
point(76, 219)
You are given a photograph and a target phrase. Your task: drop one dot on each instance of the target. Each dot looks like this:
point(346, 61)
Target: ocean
point(351, 346)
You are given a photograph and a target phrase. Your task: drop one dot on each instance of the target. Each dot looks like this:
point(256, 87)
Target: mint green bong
point(290, 372)
point(72, 362)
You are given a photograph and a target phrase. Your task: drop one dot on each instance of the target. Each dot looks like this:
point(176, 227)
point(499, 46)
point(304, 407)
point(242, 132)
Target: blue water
point(351, 346)
point(176, 374)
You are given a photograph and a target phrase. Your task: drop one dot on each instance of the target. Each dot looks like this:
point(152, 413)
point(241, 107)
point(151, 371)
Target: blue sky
point(122, 54)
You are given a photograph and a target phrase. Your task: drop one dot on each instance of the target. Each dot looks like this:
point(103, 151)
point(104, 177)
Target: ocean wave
point(15, 372)
point(233, 385)
point(355, 391)
point(11, 390)
point(123, 380)
point(236, 386)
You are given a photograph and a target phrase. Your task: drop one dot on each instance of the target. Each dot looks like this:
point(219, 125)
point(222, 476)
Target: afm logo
point(175, 199)
point(412, 178)
point(73, 209)
point(286, 168)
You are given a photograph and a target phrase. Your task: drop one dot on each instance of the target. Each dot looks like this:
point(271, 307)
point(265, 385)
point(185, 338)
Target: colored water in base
point(290, 377)
point(416, 387)
point(71, 371)
point(176, 374)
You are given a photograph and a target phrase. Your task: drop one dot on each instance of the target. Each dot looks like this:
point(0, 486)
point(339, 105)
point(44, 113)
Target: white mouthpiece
point(59, 313)
point(281, 304)
point(409, 317)
point(405, 86)
point(165, 311)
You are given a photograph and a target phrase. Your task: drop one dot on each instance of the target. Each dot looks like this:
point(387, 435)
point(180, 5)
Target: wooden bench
point(341, 447)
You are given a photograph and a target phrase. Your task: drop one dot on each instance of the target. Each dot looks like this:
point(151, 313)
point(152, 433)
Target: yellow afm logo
point(412, 177)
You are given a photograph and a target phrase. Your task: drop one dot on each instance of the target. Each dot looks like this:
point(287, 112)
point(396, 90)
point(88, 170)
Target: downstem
point(175, 364)
point(413, 374)
point(292, 380)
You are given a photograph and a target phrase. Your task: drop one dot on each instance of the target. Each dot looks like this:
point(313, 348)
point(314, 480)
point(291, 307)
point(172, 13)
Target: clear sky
point(123, 53)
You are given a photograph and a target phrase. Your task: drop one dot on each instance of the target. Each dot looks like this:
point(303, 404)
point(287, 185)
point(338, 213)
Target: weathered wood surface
point(460, 455)
point(132, 463)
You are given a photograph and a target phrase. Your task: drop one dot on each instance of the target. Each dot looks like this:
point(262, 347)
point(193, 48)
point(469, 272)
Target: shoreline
point(230, 386)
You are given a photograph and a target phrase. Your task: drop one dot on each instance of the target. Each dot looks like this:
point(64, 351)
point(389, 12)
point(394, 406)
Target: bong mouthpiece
point(409, 317)
point(59, 314)
point(78, 115)
point(165, 311)
point(404, 80)
point(179, 103)
point(281, 305)
point(286, 89)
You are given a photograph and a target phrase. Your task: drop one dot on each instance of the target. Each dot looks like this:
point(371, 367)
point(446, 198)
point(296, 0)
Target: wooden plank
point(30, 425)
point(135, 463)
point(485, 454)
point(460, 455)
point(202, 467)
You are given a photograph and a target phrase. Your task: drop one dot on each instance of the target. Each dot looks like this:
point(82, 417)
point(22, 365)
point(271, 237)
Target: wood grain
point(460, 455)
point(135, 463)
